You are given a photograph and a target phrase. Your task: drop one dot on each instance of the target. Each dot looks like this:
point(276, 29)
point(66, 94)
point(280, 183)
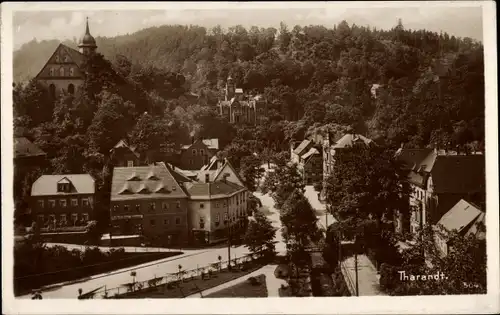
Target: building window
point(125, 208)
point(164, 205)
point(62, 203)
point(40, 203)
point(63, 217)
point(71, 71)
point(130, 163)
point(116, 209)
point(52, 203)
point(74, 217)
point(66, 59)
point(71, 87)
point(51, 72)
point(61, 72)
point(166, 222)
point(191, 162)
point(85, 202)
point(177, 221)
point(57, 58)
point(178, 205)
point(217, 218)
point(138, 208)
point(202, 152)
point(74, 202)
point(202, 223)
point(52, 218)
point(40, 218)
point(152, 206)
point(217, 205)
point(52, 87)
point(61, 187)
point(202, 205)
point(85, 217)
point(152, 222)
point(194, 152)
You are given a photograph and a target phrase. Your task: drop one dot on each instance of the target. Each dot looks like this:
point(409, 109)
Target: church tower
point(230, 88)
point(87, 45)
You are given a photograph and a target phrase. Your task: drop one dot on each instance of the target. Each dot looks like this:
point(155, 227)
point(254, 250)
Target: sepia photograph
point(338, 151)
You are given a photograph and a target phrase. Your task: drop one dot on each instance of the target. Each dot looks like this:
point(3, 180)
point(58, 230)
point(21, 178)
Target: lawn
point(191, 286)
point(245, 289)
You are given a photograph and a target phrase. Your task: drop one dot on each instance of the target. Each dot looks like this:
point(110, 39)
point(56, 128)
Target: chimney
point(207, 178)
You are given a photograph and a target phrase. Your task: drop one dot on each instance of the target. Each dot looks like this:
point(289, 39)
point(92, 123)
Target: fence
point(167, 279)
point(349, 281)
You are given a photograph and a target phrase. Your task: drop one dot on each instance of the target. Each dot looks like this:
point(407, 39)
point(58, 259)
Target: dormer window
point(133, 177)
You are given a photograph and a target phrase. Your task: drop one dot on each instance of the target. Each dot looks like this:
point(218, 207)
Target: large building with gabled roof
point(63, 72)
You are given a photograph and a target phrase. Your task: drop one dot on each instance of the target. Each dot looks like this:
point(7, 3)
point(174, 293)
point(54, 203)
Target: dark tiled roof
point(459, 174)
point(164, 186)
point(25, 148)
point(302, 146)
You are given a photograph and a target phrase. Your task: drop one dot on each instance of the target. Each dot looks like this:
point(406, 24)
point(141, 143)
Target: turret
point(87, 45)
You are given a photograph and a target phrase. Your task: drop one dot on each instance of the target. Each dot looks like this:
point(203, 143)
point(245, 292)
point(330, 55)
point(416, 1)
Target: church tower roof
point(87, 40)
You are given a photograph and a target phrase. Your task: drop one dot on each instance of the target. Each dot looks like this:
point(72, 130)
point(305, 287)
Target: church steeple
point(87, 43)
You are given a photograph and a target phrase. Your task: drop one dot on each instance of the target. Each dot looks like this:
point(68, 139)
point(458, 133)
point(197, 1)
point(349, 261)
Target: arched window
point(66, 59)
point(194, 152)
point(61, 72)
point(52, 91)
point(71, 89)
point(57, 58)
point(71, 71)
point(51, 72)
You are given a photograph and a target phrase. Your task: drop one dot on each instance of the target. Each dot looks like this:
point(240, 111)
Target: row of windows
point(62, 59)
point(151, 207)
point(62, 72)
point(51, 203)
point(63, 218)
point(194, 152)
point(166, 221)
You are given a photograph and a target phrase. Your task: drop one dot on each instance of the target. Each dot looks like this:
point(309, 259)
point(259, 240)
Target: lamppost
point(227, 221)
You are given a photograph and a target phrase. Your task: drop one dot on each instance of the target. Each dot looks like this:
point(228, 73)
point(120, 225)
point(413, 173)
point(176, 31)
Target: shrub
point(253, 281)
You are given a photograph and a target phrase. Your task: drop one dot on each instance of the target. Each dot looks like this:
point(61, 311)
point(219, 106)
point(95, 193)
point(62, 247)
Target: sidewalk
point(368, 279)
point(128, 249)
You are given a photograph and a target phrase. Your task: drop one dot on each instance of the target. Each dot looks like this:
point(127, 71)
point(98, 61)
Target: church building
point(240, 107)
point(63, 73)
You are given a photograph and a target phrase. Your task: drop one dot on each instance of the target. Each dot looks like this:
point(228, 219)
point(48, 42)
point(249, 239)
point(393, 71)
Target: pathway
point(368, 279)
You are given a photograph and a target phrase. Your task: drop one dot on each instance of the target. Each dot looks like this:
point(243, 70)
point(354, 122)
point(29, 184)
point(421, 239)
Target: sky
point(68, 24)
